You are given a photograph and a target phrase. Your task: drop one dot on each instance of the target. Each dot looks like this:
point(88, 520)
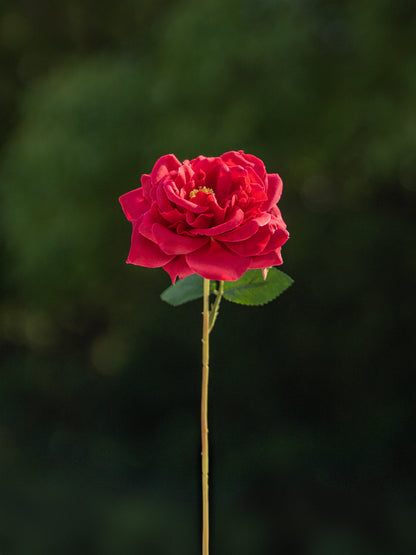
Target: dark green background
point(311, 397)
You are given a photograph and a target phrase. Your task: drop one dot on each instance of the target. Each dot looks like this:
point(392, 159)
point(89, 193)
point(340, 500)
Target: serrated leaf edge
point(291, 281)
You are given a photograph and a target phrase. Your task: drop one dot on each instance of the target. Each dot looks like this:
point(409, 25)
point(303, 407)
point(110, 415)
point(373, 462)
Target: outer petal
point(162, 200)
point(279, 237)
point(205, 163)
point(240, 158)
point(258, 165)
point(266, 260)
point(253, 245)
point(133, 204)
point(172, 243)
point(146, 225)
point(213, 261)
point(163, 167)
point(178, 267)
point(147, 186)
point(246, 230)
point(277, 216)
point(234, 158)
point(146, 253)
point(173, 216)
point(274, 190)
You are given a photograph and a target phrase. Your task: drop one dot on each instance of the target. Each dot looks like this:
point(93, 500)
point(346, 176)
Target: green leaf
point(185, 290)
point(251, 289)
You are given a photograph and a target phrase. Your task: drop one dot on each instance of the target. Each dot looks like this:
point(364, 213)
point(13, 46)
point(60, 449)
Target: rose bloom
point(212, 216)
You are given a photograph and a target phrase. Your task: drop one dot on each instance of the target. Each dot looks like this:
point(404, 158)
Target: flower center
point(204, 189)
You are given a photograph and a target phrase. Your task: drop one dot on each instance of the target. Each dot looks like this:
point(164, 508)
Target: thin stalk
point(216, 306)
point(204, 420)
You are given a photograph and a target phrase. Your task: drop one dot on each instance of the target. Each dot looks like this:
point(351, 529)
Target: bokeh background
point(311, 397)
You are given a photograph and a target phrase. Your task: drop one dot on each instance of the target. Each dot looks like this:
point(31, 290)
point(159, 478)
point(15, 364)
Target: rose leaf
point(251, 289)
point(185, 290)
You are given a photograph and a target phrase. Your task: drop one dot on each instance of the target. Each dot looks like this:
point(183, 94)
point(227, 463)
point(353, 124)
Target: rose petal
point(258, 166)
point(163, 167)
point(173, 195)
point(213, 261)
point(178, 267)
point(204, 163)
point(206, 171)
point(229, 224)
point(172, 243)
point(277, 217)
point(266, 260)
point(184, 174)
point(162, 200)
point(219, 213)
point(240, 158)
point(242, 232)
point(146, 181)
point(279, 237)
point(274, 191)
point(173, 216)
point(234, 158)
point(144, 252)
point(246, 230)
point(200, 220)
point(133, 204)
point(146, 225)
point(257, 192)
point(253, 245)
point(224, 182)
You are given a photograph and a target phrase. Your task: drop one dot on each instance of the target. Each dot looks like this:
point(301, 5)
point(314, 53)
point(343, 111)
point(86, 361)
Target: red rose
point(216, 217)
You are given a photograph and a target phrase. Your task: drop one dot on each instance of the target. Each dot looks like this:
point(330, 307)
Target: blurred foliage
point(312, 409)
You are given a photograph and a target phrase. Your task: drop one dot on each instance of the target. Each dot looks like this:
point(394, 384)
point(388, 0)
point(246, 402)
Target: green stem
point(204, 419)
point(208, 321)
point(216, 306)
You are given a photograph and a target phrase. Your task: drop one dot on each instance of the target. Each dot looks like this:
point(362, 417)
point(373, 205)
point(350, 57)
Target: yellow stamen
point(205, 190)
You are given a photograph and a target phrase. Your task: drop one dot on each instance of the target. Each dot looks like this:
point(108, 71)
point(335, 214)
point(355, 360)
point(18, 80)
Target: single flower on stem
point(212, 222)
